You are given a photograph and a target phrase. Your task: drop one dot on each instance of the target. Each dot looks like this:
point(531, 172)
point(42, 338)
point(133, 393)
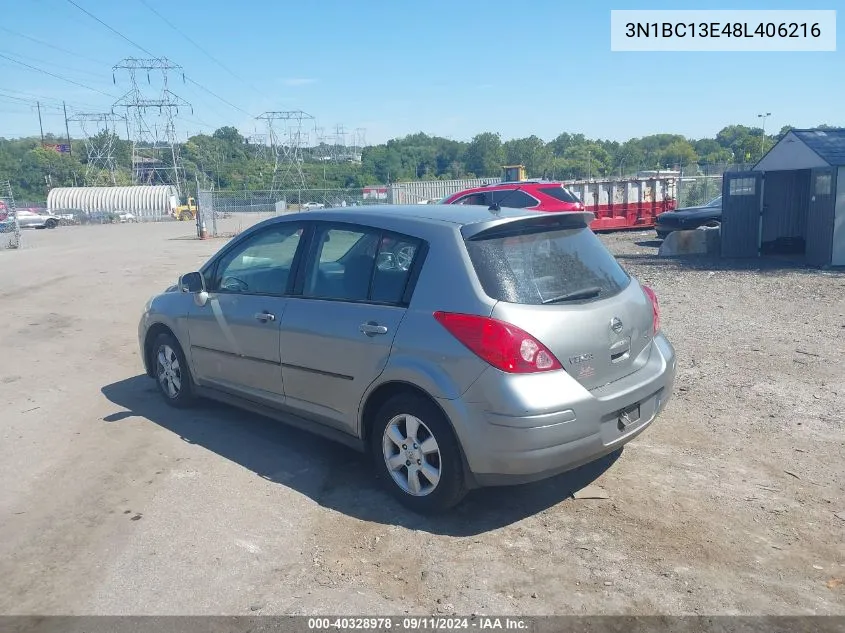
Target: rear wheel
point(173, 376)
point(185, 216)
point(417, 455)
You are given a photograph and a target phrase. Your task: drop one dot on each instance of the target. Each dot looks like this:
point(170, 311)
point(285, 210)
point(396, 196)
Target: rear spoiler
point(541, 221)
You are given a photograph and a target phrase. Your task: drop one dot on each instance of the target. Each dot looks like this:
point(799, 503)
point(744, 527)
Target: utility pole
point(40, 125)
point(67, 130)
point(763, 135)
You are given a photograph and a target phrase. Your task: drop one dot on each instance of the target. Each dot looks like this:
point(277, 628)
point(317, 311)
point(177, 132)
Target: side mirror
point(191, 282)
point(194, 283)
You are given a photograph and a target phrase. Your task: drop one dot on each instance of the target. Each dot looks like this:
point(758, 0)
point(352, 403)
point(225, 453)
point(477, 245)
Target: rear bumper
point(511, 436)
point(663, 230)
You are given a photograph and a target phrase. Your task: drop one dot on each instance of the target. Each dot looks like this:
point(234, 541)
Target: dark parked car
point(689, 218)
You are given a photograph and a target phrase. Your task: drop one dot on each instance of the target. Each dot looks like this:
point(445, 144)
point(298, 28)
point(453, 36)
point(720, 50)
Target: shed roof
point(828, 144)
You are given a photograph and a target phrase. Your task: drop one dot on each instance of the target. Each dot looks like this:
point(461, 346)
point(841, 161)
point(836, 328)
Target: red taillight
point(655, 308)
point(501, 344)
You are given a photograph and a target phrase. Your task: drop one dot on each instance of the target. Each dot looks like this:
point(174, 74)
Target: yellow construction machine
point(186, 211)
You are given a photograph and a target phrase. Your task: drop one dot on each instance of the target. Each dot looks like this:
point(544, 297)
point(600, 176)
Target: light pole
point(763, 136)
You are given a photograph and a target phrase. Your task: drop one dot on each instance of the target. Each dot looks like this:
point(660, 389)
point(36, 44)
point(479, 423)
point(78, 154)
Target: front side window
point(360, 265)
point(473, 198)
point(261, 264)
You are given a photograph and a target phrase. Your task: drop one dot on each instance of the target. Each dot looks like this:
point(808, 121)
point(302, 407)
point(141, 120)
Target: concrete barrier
point(701, 241)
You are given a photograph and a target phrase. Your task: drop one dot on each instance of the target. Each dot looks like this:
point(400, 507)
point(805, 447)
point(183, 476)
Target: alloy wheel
point(169, 371)
point(412, 455)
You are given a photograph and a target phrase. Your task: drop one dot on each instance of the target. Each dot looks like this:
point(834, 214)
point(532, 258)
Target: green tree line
point(226, 159)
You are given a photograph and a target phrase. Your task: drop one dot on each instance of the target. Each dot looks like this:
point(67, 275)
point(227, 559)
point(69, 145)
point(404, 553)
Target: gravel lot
point(112, 503)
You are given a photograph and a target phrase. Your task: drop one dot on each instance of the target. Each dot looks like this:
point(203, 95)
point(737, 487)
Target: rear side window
point(535, 267)
point(513, 198)
point(559, 193)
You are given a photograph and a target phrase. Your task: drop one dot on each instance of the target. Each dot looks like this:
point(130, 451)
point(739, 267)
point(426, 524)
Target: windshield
point(715, 202)
point(546, 266)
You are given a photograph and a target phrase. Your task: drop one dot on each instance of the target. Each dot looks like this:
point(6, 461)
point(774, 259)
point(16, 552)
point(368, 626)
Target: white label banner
point(723, 31)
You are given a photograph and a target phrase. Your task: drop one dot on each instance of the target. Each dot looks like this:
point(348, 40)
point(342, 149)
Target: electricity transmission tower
point(258, 143)
point(322, 151)
point(155, 148)
point(340, 142)
point(99, 129)
point(359, 142)
point(287, 140)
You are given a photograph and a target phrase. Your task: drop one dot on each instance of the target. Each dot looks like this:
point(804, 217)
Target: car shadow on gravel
point(333, 475)
point(762, 265)
point(649, 243)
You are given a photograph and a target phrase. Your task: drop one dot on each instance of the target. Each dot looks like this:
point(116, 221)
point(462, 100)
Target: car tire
point(51, 224)
point(171, 372)
point(432, 445)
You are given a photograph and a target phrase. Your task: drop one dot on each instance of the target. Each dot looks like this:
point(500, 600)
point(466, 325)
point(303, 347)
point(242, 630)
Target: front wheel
point(417, 455)
point(173, 376)
point(185, 216)
point(51, 224)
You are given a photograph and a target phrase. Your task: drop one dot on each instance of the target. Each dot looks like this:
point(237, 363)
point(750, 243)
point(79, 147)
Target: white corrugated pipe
point(144, 201)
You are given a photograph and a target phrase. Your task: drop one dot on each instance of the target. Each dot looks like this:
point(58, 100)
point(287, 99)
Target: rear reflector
point(503, 345)
point(655, 308)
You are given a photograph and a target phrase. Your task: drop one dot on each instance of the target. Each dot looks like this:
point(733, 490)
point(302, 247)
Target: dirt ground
point(112, 503)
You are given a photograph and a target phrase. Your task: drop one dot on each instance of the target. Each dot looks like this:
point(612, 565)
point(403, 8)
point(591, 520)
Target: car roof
point(459, 215)
point(524, 185)
point(469, 219)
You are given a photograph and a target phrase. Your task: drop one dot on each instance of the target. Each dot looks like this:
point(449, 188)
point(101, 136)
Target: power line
point(53, 46)
point(113, 30)
point(47, 72)
point(217, 96)
point(34, 98)
point(58, 66)
point(200, 48)
point(135, 44)
point(28, 102)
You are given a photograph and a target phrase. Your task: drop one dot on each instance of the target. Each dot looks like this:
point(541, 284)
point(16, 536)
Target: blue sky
point(447, 68)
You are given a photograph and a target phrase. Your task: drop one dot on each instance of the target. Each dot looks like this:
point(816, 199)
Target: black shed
point(792, 201)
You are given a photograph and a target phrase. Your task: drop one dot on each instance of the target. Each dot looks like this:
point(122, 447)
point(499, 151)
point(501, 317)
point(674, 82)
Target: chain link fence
point(227, 213)
point(699, 184)
point(10, 230)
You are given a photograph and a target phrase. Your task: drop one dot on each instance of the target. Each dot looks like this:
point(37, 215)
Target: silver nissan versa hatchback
point(461, 346)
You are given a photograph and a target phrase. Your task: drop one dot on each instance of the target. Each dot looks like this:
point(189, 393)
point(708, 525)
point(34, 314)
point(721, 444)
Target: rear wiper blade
point(584, 293)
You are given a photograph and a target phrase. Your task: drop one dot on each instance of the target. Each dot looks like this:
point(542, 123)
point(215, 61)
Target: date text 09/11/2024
point(483, 623)
point(718, 29)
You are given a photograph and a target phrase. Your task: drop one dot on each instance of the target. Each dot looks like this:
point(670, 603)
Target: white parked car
point(34, 220)
point(313, 205)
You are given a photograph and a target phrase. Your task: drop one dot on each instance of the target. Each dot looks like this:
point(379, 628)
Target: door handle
point(371, 328)
point(265, 316)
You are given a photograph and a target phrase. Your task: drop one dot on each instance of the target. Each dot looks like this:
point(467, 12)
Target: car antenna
point(497, 206)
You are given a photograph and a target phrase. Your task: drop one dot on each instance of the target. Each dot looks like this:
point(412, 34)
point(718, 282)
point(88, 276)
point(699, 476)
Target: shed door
point(741, 210)
point(820, 216)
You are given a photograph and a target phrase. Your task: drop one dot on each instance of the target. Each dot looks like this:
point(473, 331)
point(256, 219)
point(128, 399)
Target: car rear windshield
point(538, 266)
point(560, 193)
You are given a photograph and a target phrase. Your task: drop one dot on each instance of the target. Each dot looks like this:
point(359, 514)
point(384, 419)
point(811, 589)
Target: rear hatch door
point(561, 285)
